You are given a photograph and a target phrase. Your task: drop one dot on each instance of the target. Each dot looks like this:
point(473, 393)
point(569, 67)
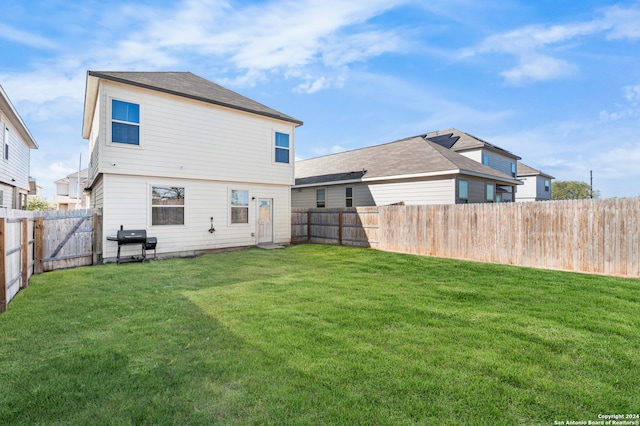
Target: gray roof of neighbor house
point(7, 109)
point(460, 141)
point(411, 157)
point(524, 170)
point(183, 84)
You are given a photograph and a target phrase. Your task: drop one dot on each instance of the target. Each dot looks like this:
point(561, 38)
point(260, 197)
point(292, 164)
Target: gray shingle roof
point(189, 85)
point(412, 156)
point(524, 170)
point(465, 141)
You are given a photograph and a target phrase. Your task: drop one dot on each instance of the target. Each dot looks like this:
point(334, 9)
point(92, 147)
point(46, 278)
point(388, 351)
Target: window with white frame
point(320, 198)
point(490, 191)
point(239, 206)
point(348, 195)
point(125, 122)
point(514, 171)
point(5, 153)
point(282, 147)
point(547, 186)
point(463, 190)
point(167, 205)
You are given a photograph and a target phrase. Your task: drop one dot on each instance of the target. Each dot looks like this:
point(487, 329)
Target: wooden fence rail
point(593, 236)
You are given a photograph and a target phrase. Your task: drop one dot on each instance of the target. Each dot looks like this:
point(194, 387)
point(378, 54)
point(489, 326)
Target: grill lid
point(132, 236)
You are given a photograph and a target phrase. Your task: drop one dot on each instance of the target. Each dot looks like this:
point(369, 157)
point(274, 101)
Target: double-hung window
point(485, 159)
point(513, 170)
point(348, 193)
point(167, 205)
point(463, 191)
point(320, 198)
point(491, 193)
point(125, 122)
point(239, 206)
point(5, 154)
point(282, 147)
point(547, 185)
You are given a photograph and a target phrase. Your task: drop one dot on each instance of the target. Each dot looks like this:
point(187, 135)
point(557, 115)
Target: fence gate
point(67, 240)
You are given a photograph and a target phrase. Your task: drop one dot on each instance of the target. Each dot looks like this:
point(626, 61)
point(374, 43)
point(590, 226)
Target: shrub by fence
point(593, 236)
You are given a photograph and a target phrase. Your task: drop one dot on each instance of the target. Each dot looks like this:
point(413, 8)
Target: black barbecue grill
point(135, 236)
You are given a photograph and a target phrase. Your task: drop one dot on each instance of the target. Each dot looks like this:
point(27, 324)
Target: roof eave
point(100, 75)
point(5, 104)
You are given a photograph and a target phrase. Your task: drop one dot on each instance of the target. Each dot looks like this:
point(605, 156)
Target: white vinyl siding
point(533, 189)
point(223, 144)
point(496, 161)
point(7, 196)
point(17, 165)
point(417, 191)
point(127, 203)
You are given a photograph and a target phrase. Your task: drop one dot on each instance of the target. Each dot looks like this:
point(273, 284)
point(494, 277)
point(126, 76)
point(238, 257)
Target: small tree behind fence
point(593, 236)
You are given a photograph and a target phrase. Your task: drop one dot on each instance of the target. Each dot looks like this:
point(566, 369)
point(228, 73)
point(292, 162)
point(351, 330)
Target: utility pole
point(591, 184)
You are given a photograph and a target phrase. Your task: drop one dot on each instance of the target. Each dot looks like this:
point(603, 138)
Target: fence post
point(340, 228)
point(24, 249)
point(3, 267)
point(308, 225)
point(38, 243)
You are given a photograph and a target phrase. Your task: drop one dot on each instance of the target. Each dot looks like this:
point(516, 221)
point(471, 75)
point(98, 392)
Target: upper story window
point(547, 186)
point(282, 147)
point(491, 192)
point(485, 159)
point(167, 205)
point(5, 152)
point(514, 171)
point(320, 198)
point(463, 191)
point(125, 124)
point(239, 206)
point(348, 194)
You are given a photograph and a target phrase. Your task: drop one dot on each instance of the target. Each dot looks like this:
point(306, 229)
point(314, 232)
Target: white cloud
point(534, 45)
point(25, 38)
point(538, 67)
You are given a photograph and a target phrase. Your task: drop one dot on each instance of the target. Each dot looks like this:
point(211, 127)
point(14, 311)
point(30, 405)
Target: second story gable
point(477, 149)
point(179, 125)
point(16, 143)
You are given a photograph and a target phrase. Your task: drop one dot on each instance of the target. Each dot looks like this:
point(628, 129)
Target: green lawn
point(319, 335)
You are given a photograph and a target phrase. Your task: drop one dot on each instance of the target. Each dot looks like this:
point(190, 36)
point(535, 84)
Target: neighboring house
point(415, 170)
point(194, 164)
point(536, 184)
point(480, 151)
point(16, 143)
point(70, 195)
point(34, 189)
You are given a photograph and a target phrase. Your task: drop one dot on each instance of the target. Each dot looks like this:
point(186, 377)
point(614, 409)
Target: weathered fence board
point(34, 242)
point(593, 236)
point(68, 239)
point(16, 254)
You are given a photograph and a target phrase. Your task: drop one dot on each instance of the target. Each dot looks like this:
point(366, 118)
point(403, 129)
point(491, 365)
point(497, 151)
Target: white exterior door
point(265, 220)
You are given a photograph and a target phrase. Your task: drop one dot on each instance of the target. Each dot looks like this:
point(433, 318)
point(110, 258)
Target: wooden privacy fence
point(16, 253)
point(593, 236)
point(36, 242)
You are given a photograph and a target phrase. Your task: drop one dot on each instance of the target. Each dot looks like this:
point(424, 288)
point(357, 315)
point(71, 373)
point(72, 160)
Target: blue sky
point(555, 82)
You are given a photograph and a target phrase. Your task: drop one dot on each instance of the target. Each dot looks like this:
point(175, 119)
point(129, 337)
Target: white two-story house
point(196, 165)
point(536, 184)
point(15, 156)
point(70, 192)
